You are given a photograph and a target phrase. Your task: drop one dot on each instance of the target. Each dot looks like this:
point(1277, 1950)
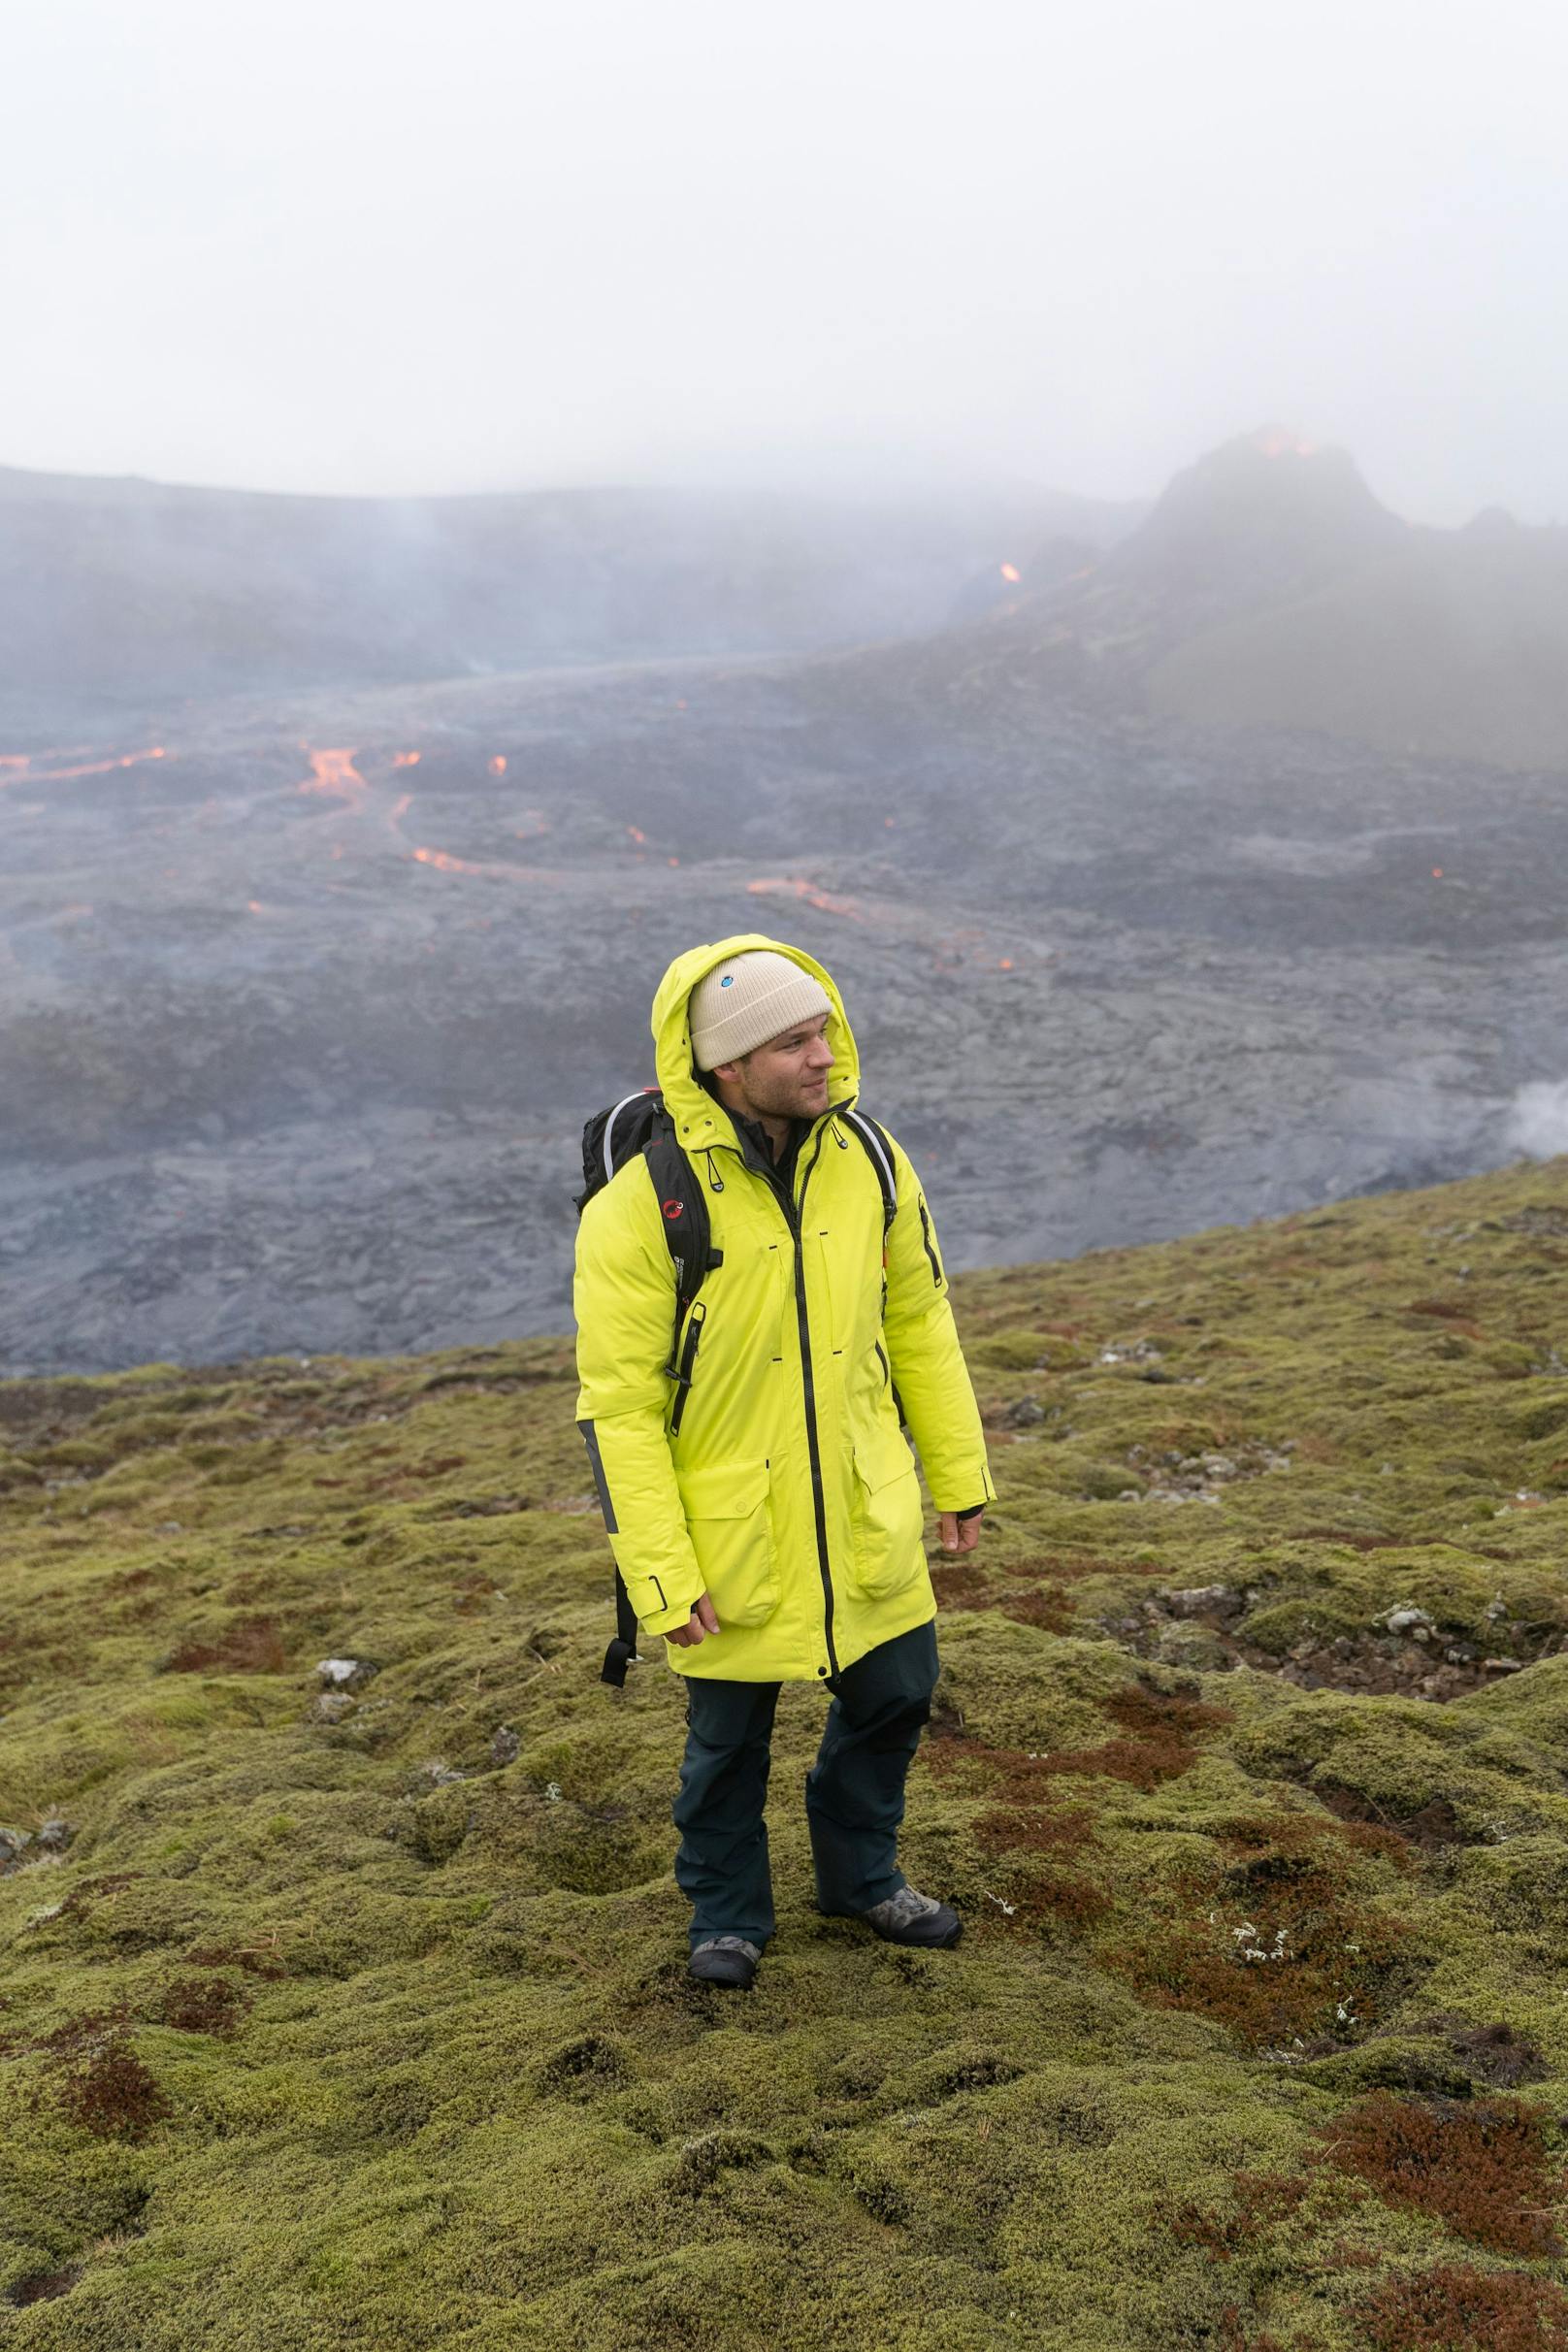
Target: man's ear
point(725, 1069)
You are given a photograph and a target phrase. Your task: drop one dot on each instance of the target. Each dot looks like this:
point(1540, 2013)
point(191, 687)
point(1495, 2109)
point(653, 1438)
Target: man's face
point(787, 1078)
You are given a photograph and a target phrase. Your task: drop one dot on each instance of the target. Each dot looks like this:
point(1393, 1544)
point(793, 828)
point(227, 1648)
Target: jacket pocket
point(728, 1520)
point(888, 1520)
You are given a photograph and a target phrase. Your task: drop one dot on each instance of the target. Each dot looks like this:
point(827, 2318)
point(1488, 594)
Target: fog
point(390, 246)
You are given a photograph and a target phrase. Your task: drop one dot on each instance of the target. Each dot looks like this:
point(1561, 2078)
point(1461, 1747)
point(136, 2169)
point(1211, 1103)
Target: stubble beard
point(799, 1100)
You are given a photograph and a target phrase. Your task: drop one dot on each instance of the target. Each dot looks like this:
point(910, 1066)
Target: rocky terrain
point(308, 992)
point(343, 1997)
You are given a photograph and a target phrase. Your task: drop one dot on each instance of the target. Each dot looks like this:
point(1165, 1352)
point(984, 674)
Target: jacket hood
point(700, 1119)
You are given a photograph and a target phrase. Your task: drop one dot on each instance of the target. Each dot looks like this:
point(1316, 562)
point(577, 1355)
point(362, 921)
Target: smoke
point(1538, 1119)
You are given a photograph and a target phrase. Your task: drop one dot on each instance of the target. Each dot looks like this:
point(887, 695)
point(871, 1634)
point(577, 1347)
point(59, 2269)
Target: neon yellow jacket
point(784, 1486)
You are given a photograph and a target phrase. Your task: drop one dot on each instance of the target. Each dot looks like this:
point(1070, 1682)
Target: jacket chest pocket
point(889, 1522)
point(731, 1527)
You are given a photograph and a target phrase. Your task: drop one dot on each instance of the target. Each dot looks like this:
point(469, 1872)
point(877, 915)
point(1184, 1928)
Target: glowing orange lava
point(21, 764)
point(637, 833)
point(492, 870)
point(334, 772)
point(405, 758)
point(1437, 873)
point(794, 886)
point(1278, 443)
point(498, 765)
point(1010, 571)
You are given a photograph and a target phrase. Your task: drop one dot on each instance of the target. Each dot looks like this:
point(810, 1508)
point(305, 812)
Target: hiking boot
point(725, 1960)
point(911, 1917)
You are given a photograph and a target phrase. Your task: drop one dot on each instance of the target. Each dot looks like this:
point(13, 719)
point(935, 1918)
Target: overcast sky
point(419, 245)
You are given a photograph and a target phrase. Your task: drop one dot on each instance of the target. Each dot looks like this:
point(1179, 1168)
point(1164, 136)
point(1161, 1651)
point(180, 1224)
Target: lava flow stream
point(19, 768)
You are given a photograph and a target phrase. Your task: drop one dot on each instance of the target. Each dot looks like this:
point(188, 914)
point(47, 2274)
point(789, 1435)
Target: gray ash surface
point(299, 1030)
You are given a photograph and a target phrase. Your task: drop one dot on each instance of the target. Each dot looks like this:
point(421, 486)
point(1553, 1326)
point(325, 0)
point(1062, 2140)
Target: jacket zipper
point(931, 1248)
point(688, 1362)
point(793, 1218)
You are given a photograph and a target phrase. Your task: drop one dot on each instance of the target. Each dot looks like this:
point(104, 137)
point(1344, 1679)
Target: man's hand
point(959, 1534)
point(698, 1627)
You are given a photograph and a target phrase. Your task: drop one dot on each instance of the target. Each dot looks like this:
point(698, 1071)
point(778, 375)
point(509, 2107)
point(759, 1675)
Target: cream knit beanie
point(747, 1000)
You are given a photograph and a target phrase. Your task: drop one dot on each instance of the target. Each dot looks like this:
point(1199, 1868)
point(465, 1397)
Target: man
point(763, 1505)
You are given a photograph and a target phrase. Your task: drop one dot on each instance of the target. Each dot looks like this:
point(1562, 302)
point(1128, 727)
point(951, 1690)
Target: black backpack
point(639, 1124)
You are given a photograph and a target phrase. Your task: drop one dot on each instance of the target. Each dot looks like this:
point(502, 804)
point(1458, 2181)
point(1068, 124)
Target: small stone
point(332, 1706)
point(441, 1775)
point(346, 1674)
point(1193, 1600)
point(1408, 1620)
point(14, 1844)
point(504, 1745)
point(1024, 1413)
point(1501, 1665)
point(55, 1835)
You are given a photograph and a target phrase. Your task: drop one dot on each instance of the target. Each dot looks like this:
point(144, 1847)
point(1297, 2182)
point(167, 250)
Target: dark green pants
point(854, 1792)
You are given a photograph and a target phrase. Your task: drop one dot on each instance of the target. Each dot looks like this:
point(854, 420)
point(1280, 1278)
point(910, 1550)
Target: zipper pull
point(715, 1182)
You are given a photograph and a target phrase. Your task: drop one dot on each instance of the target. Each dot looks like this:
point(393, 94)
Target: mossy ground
point(363, 2026)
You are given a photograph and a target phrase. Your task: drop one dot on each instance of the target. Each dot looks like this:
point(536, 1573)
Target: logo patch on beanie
point(728, 981)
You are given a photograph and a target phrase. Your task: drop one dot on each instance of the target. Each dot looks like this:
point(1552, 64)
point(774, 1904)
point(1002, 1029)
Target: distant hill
point(1268, 588)
point(132, 588)
point(349, 2008)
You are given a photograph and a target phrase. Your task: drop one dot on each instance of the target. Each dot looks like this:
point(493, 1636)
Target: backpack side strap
point(623, 1650)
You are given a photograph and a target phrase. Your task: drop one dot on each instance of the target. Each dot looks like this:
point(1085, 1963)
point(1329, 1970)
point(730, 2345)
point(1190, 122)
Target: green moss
point(422, 2063)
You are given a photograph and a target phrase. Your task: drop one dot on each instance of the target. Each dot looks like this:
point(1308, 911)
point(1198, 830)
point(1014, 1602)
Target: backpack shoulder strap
point(878, 1150)
point(687, 1227)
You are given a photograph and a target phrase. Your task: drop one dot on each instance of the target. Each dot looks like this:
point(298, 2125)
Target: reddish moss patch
point(959, 1585)
point(1432, 1826)
point(1456, 2310)
point(42, 2286)
point(258, 1960)
point(1068, 1567)
point(204, 2004)
point(113, 2095)
point(1279, 1944)
point(1162, 1725)
point(1230, 2335)
point(1023, 1827)
point(1261, 2200)
point(1038, 1605)
point(1479, 2166)
point(255, 1645)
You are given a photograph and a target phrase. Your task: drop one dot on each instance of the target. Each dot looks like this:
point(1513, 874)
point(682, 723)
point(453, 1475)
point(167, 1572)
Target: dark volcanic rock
point(296, 1045)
